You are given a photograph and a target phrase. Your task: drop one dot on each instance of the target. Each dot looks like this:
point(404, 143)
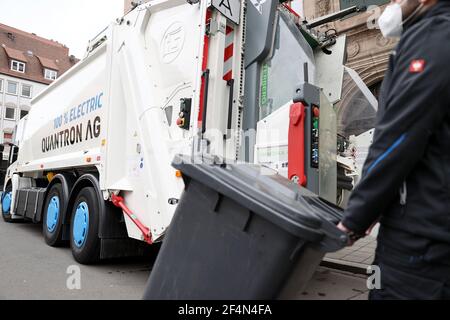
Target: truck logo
point(229, 8)
point(76, 134)
point(172, 42)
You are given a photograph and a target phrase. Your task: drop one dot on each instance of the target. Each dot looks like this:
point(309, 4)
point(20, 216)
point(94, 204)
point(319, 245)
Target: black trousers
point(409, 277)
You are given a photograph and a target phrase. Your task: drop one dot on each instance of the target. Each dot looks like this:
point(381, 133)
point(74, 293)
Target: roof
point(37, 52)
point(15, 54)
point(48, 63)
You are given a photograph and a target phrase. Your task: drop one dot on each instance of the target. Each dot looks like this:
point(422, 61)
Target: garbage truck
point(245, 81)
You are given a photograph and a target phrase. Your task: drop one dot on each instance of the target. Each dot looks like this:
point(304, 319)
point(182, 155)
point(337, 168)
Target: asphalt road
point(331, 284)
point(29, 269)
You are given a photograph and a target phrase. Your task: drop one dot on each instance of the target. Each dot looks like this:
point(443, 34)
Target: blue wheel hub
point(6, 203)
point(80, 224)
point(53, 214)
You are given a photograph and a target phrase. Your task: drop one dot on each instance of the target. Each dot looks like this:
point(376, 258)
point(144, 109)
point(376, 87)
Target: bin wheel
point(84, 239)
point(52, 222)
point(7, 204)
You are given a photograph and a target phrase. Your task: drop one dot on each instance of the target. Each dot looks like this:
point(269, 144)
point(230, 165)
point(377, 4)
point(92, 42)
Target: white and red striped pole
point(228, 54)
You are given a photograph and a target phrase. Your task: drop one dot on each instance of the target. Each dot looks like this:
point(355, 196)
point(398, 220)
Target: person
point(405, 182)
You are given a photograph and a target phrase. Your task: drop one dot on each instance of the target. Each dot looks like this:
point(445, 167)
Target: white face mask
point(391, 21)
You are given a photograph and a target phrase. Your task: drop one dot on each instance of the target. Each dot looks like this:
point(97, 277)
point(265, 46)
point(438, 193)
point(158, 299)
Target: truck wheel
point(6, 204)
point(52, 221)
point(84, 239)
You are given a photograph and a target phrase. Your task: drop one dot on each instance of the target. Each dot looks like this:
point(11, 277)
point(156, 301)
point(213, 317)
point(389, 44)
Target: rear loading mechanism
point(303, 141)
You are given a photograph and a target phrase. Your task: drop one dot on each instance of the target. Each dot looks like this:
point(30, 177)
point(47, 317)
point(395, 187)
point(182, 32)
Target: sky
point(70, 22)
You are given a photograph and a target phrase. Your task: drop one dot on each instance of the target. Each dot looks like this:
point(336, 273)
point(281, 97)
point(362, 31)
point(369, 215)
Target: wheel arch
point(66, 181)
point(110, 224)
point(5, 187)
point(8, 181)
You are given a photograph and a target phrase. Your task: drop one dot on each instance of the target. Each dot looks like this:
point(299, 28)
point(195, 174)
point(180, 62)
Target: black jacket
point(406, 178)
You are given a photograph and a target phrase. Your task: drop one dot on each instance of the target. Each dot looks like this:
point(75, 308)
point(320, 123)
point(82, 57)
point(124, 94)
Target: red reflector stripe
point(228, 76)
point(229, 52)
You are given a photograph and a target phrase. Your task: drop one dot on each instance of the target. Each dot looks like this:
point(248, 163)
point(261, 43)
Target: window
point(50, 74)
point(17, 66)
point(1, 85)
point(12, 87)
point(23, 113)
point(26, 91)
point(10, 113)
point(278, 78)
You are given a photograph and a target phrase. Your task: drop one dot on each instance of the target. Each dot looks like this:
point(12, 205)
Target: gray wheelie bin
point(241, 234)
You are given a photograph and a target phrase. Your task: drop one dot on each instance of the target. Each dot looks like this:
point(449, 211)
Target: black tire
point(85, 212)
point(6, 215)
point(52, 220)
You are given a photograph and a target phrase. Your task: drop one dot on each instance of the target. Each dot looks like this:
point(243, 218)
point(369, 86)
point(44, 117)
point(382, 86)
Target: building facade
point(127, 6)
point(367, 50)
point(28, 64)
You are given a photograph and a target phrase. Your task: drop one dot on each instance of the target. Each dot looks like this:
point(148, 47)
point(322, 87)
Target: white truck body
point(116, 110)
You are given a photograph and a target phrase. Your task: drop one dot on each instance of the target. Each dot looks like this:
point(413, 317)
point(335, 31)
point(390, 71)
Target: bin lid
point(270, 195)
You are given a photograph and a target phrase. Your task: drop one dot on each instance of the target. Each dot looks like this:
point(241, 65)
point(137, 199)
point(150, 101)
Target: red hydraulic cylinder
point(119, 202)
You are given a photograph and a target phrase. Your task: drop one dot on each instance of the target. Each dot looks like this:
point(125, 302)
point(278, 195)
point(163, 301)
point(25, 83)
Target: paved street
point(330, 284)
point(29, 269)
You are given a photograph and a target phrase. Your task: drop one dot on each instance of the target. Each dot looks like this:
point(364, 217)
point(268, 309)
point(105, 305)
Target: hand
point(352, 236)
point(369, 231)
point(346, 230)
point(343, 228)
